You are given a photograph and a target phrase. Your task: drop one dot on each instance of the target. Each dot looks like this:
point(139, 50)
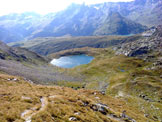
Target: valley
point(87, 63)
point(134, 81)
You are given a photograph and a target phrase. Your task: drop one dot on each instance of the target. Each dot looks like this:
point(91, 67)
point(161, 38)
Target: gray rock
point(72, 119)
point(123, 115)
point(100, 107)
point(103, 92)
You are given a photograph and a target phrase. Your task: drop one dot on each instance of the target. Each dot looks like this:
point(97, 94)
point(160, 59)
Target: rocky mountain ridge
point(82, 20)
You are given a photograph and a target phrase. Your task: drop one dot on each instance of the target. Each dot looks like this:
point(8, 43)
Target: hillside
point(133, 80)
point(19, 54)
point(22, 62)
point(23, 101)
point(145, 42)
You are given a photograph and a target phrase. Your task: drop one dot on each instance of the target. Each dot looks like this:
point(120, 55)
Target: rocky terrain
point(148, 48)
point(152, 42)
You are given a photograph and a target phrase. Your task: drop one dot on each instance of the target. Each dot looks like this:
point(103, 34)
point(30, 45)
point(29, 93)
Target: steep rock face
point(151, 41)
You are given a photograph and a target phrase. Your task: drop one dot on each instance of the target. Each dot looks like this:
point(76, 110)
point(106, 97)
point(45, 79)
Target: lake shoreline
point(71, 61)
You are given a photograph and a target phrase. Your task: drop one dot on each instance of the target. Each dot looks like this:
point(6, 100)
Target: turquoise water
point(72, 61)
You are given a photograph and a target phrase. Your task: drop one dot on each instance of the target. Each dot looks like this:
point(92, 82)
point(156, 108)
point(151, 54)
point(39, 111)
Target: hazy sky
point(41, 6)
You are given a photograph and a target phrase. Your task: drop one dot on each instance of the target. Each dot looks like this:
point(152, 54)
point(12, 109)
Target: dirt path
point(28, 114)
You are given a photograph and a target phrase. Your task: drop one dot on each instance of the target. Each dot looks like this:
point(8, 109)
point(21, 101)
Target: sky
point(42, 6)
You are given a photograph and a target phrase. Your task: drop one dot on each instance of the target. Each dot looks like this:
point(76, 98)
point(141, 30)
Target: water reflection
point(72, 61)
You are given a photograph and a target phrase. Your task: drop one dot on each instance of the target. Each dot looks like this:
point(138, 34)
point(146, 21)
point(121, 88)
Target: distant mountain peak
point(83, 20)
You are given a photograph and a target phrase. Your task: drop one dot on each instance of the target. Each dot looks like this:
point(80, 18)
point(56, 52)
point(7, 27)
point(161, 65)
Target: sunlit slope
point(21, 101)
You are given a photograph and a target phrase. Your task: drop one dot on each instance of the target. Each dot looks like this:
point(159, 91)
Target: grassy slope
point(19, 95)
point(123, 77)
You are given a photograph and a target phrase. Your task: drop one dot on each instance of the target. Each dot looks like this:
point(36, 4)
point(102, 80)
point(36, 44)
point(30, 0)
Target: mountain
point(145, 12)
point(118, 25)
point(109, 18)
point(17, 27)
point(121, 18)
point(83, 20)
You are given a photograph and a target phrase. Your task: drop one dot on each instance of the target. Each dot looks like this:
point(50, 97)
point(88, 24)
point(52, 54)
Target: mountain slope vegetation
point(30, 102)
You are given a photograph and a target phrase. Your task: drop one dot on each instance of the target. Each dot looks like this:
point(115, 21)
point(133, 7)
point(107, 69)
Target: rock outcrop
point(150, 41)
